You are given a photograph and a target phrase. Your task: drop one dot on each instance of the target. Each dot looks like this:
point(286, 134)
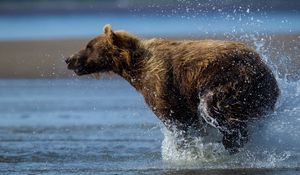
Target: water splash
point(197, 149)
point(274, 141)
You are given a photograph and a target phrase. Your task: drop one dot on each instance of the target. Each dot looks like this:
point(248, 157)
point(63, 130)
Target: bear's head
point(104, 53)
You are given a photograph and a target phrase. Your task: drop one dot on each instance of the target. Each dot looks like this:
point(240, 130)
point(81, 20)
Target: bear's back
point(197, 63)
point(193, 67)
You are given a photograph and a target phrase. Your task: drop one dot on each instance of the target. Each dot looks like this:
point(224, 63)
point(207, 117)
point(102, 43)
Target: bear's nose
point(68, 60)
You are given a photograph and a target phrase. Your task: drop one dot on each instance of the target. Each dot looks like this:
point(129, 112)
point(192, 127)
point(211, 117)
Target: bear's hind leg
point(235, 136)
point(214, 109)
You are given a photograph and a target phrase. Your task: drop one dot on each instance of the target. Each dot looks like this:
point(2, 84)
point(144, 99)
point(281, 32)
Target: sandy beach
point(36, 59)
point(45, 58)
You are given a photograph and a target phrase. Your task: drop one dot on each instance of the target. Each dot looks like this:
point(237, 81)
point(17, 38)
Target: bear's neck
point(130, 65)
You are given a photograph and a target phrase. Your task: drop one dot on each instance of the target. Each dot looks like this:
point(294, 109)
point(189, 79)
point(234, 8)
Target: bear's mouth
point(80, 71)
point(96, 75)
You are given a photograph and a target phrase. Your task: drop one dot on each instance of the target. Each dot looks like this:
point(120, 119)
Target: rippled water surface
point(87, 126)
point(59, 126)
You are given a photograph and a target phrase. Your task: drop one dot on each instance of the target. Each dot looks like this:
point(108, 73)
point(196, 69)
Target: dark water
point(87, 126)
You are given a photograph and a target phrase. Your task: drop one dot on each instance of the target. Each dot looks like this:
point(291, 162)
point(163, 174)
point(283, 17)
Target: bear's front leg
point(177, 116)
point(184, 124)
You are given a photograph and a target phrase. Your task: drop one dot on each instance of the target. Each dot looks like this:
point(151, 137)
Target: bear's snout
point(71, 62)
point(75, 63)
point(68, 60)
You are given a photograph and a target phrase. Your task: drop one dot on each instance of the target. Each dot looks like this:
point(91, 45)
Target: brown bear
point(187, 83)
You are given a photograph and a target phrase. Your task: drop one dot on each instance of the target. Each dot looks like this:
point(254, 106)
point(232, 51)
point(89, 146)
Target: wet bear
point(187, 83)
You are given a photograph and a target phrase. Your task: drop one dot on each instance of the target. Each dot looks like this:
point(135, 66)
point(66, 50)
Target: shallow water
point(87, 126)
point(59, 126)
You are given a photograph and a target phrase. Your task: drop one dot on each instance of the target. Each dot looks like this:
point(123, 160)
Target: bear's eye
point(89, 47)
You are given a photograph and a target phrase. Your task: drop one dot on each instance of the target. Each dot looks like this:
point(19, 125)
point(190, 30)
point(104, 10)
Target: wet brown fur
point(173, 76)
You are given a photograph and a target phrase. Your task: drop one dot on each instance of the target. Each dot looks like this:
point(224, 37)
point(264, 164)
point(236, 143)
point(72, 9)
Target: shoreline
point(40, 58)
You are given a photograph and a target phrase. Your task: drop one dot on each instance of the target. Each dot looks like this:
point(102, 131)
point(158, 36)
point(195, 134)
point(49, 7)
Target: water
point(87, 126)
point(14, 27)
point(59, 126)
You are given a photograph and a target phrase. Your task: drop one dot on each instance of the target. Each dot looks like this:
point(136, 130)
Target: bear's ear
point(107, 30)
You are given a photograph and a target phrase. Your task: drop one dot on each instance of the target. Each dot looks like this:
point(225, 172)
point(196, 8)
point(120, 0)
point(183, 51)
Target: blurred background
point(35, 35)
point(52, 122)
